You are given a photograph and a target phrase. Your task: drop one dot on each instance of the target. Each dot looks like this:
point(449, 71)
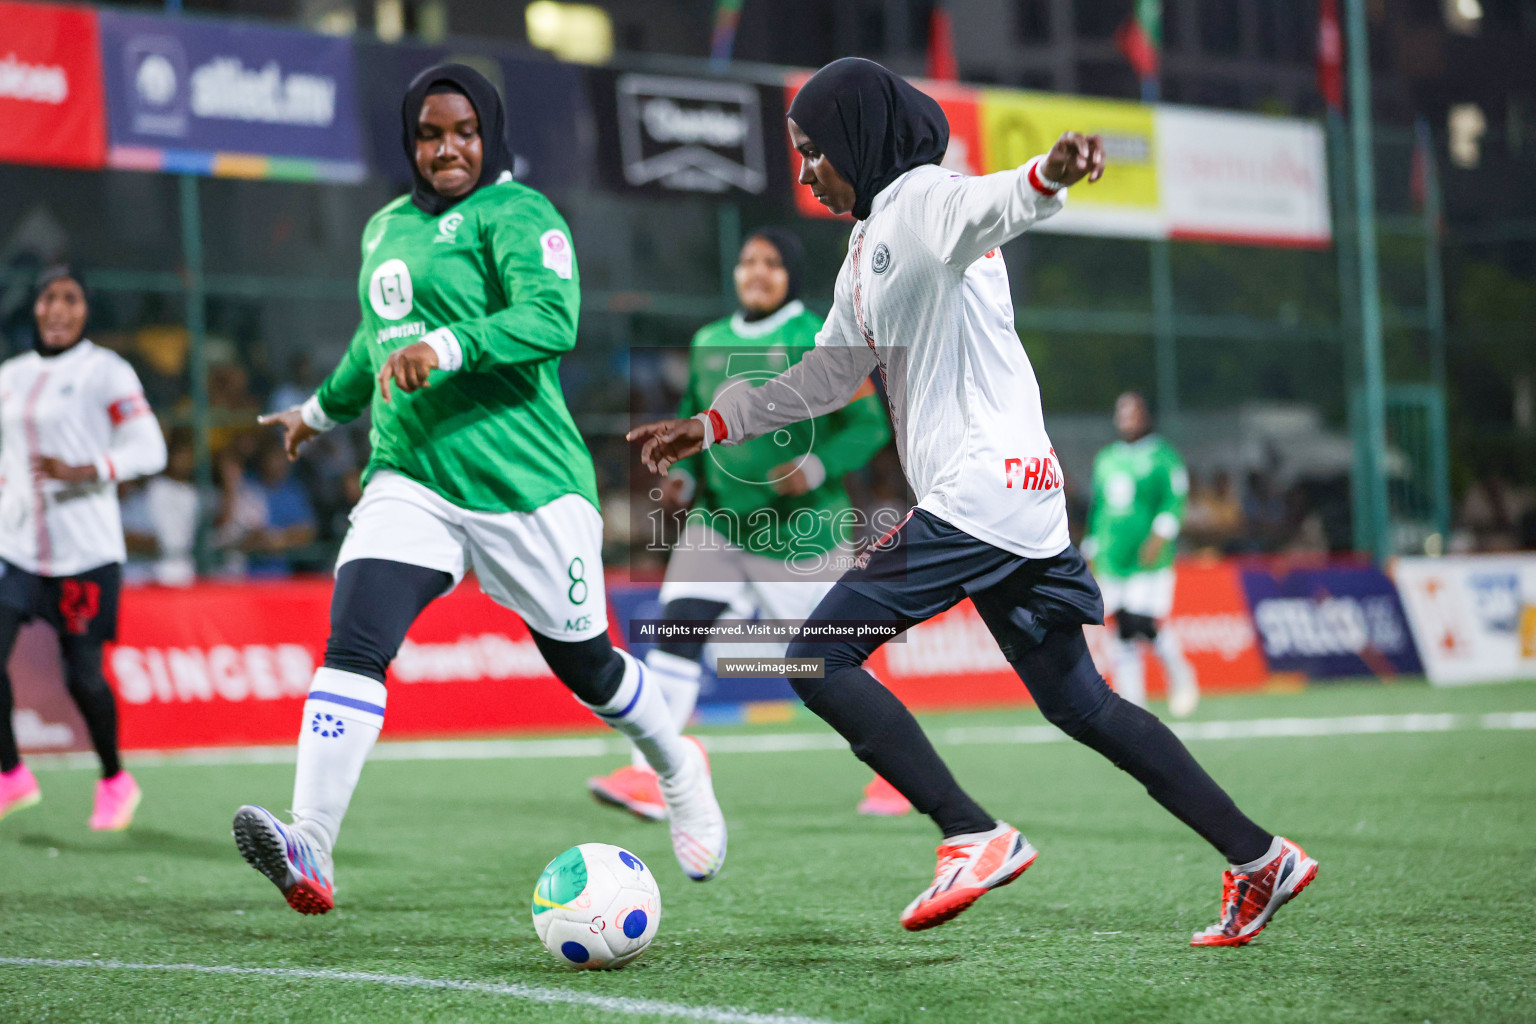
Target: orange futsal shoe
point(636, 790)
point(883, 800)
point(969, 867)
point(1250, 898)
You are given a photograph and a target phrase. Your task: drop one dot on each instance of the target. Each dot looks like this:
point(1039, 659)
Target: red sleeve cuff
point(717, 422)
point(1036, 181)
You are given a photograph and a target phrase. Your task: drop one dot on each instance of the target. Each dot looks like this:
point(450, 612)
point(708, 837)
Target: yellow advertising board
point(1015, 126)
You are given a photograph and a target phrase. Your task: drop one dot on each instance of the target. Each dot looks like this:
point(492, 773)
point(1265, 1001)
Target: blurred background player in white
point(739, 553)
point(923, 297)
point(73, 423)
point(470, 297)
point(1140, 488)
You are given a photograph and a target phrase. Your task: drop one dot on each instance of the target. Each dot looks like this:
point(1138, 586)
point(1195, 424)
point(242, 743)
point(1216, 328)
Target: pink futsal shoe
point(636, 790)
point(116, 800)
point(883, 800)
point(1250, 898)
point(969, 868)
point(18, 790)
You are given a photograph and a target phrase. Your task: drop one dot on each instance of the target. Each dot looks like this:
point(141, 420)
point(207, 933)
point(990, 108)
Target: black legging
point(87, 687)
point(1071, 694)
point(376, 600)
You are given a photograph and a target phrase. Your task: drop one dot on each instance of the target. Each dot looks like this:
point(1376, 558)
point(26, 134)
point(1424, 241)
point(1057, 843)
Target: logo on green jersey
point(448, 227)
point(389, 290)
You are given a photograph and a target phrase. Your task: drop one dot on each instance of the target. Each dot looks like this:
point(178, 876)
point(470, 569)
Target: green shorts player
point(768, 533)
point(1139, 490)
point(470, 294)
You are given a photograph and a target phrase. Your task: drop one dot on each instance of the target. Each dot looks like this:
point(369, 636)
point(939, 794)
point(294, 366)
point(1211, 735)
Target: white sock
point(342, 719)
point(1275, 847)
point(678, 680)
point(639, 711)
point(1131, 673)
point(1170, 651)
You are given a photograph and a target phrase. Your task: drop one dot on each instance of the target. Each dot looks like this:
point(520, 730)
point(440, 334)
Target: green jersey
point(497, 270)
point(736, 481)
point(1139, 488)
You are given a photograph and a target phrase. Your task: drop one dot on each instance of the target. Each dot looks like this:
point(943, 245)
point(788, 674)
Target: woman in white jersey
point(73, 424)
point(923, 298)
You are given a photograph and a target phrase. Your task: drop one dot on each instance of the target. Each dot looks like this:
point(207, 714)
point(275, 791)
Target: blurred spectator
point(1214, 517)
point(1264, 511)
point(1494, 511)
point(160, 518)
point(296, 386)
point(264, 515)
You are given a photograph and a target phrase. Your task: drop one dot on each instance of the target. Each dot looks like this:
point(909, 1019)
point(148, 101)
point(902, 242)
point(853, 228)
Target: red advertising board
point(229, 664)
point(959, 104)
point(51, 100)
point(1212, 620)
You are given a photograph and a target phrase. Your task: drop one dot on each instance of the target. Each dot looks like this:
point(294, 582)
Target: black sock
point(1074, 697)
point(10, 625)
point(94, 698)
point(886, 737)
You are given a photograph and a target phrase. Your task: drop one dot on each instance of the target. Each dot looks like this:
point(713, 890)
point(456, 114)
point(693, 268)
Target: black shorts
point(926, 566)
point(83, 605)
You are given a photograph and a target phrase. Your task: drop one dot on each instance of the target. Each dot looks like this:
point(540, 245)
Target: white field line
point(625, 1005)
point(786, 742)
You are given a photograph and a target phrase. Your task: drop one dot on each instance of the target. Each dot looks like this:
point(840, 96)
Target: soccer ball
point(596, 907)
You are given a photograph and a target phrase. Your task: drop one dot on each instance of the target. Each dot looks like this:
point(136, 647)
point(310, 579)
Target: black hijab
point(871, 124)
point(496, 155)
point(59, 272)
point(791, 254)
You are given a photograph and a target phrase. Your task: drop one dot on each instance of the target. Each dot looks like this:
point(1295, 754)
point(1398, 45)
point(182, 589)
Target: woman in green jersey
point(469, 295)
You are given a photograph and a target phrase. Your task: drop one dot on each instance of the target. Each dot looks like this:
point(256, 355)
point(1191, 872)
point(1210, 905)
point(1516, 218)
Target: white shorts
point(707, 567)
point(545, 565)
point(1145, 593)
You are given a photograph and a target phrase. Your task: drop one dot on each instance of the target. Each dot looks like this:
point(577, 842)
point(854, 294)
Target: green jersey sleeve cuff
point(450, 354)
point(314, 416)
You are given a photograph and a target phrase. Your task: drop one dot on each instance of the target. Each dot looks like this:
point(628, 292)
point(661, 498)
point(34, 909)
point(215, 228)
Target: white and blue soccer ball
point(596, 907)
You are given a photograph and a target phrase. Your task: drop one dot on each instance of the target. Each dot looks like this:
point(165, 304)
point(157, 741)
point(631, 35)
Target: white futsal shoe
point(698, 826)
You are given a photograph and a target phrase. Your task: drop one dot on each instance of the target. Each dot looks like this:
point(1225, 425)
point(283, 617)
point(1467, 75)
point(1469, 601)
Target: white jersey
point(83, 407)
point(923, 296)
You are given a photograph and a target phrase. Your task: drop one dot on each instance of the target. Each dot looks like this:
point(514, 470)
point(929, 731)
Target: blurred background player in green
point(768, 532)
point(1139, 490)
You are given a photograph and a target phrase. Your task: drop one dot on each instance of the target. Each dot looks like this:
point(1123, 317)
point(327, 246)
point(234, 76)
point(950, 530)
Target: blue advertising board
point(233, 100)
point(1331, 623)
point(544, 100)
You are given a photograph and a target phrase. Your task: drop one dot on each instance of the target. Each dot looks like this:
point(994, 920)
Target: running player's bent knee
point(1134, 627)
point(591, 668)
point(689, 609)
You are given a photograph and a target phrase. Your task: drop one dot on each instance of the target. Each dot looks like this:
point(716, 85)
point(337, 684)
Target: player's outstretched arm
point(963, 218)
point(668, 441)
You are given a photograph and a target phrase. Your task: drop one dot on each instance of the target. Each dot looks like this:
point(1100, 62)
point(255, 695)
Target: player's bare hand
point(668, 441)
point(1151, 550)
point(1074, 157)
point(789, 480)
point(676, 493)
point(50, 468)
point(295, 430)
point(407, 368)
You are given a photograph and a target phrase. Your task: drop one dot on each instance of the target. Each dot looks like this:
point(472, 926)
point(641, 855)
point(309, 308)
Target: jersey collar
point(768, 324)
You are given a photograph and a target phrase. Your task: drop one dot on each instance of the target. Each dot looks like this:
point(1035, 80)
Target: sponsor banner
point(50, 86)
point(1016, 126)
point(1210, 617)
point(545, 103)
point(964, 155)
point(231, 100)
point(1474, 615)
point(230, 664)
point(1245, 178)
point(660, 135)
point(1332, 622)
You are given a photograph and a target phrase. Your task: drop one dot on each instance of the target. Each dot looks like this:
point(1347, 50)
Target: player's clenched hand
point(49, 468)
point(407, 368)
point(1074, 157)
point(667, 442)
point(295, 430)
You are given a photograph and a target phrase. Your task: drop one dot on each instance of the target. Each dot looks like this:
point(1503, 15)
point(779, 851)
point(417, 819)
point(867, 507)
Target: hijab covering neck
point(58, 272)
point(872, 124)
point(792, 255)
point(496, 155)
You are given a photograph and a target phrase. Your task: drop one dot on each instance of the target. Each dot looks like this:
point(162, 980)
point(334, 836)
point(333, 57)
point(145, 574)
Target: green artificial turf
point(1421, 910)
